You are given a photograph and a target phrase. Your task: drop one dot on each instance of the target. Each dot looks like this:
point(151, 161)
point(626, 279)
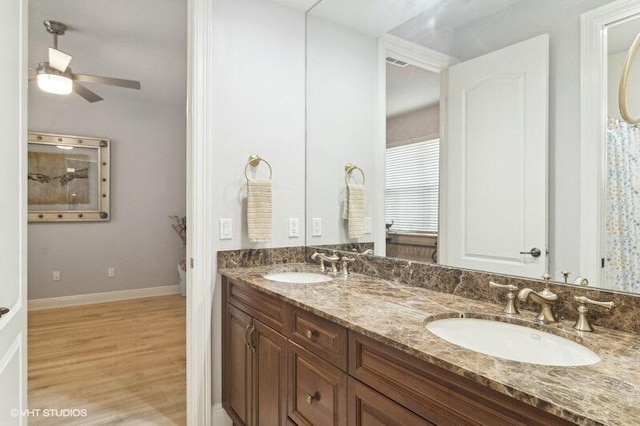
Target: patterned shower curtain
point(622, 209)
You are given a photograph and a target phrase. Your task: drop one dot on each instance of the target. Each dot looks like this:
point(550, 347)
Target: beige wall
point(414, 126)
point(148, 183)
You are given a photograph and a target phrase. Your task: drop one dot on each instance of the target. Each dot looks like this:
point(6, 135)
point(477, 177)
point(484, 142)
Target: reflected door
point(494, 179)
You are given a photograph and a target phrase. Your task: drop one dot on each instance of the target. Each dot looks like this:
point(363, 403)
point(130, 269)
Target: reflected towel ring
point(622, 92)
point(253, 161)
point(348, 168)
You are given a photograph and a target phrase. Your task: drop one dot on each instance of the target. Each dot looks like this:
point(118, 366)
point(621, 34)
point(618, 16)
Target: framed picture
point(68, 178)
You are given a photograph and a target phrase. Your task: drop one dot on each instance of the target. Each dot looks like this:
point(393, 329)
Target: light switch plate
point(294, 228)
point(367, 225)
point(316, 227)
point(225, 229)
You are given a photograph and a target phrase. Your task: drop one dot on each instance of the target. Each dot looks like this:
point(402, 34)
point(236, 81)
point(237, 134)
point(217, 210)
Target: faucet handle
point(510, 308)
point(582, 324)
point(345, 264)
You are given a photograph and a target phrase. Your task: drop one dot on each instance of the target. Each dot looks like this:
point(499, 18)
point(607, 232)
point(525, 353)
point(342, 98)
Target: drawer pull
point(311, 397)
point(310, 333)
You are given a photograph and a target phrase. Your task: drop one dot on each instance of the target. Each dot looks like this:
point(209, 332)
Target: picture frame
point(68, 178)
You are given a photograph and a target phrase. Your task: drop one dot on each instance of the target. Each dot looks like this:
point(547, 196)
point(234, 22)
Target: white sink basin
point(513, 342)
point(298, 277)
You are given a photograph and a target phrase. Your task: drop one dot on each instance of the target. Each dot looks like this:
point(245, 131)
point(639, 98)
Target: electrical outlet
point(367, 225)
point(111, 272)
point(316, 227)
point(294, 228)
point(56, 275)
point(225, 229)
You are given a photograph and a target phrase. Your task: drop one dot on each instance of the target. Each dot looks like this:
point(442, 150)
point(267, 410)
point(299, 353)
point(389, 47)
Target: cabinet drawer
point(267, 309)
point(317, 390)
point(441, 397)
point(320, 336)
point(370, 408)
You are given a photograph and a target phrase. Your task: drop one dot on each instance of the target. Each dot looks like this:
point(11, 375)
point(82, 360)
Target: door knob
point(3, 311)
point(534, 252)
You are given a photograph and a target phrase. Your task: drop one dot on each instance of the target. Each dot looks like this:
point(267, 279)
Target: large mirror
point(482, 134)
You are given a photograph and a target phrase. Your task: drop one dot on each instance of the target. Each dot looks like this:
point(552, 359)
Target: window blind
point(411, 186)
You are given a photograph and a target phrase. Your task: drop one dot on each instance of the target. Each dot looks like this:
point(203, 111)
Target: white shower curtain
point(622, 208)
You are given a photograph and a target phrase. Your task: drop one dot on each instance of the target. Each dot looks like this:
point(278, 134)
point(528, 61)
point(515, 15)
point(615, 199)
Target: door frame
point(199, 200)
point(424, 58)
point(200, 280)
point(593, 130)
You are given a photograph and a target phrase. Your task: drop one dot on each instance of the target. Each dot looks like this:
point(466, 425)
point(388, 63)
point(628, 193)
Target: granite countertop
point(607, 392)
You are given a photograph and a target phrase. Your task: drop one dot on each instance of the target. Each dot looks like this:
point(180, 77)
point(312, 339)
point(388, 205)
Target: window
point(411, 186)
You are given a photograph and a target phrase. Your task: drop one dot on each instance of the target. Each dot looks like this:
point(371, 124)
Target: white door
point(13, 324)
point(494, 179)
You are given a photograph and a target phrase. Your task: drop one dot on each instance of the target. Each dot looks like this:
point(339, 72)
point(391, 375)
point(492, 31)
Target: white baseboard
point(219, 416)
point(111, 296)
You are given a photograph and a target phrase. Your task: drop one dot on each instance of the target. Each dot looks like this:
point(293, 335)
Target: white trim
point(593, 115)
point(200, 254)
point(109, 296)
point(380, 142)
point(219, 416)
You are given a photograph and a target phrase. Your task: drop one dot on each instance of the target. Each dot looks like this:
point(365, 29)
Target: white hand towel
point(259, 210)
point(353, 209)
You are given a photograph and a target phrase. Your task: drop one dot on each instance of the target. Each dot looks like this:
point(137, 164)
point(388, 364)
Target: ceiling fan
point(56, 77)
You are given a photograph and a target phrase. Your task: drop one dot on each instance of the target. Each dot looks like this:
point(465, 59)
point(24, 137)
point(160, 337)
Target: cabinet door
point(270, 376)
point(237, 365)
point(370, 408)
point(317, 390)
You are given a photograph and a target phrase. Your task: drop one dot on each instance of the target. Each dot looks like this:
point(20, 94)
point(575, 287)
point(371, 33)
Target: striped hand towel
point(259, 210)
point(353, 209)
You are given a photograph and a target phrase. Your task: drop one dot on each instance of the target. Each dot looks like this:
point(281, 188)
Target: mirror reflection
point(468, 120)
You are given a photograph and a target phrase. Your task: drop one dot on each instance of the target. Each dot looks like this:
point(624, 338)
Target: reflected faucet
point(581, 281)
point(545, 298)
point(367, 251)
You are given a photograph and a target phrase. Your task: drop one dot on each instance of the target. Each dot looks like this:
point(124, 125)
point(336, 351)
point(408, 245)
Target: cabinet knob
point(312, 396)
point(310, 333)
point(4, 311)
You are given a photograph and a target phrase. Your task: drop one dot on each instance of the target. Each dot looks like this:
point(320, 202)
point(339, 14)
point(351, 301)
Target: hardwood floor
point(123, 362)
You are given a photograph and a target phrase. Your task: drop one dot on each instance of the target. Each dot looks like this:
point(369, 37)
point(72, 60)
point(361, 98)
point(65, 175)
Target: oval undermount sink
point(513, 342)
point(298, 277)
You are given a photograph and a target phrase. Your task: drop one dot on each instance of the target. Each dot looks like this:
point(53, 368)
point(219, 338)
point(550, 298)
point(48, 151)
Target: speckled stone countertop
point(607, 392)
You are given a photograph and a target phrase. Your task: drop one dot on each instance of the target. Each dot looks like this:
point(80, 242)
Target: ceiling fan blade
point(59, 60)
point(85, 93)
point(129, 84)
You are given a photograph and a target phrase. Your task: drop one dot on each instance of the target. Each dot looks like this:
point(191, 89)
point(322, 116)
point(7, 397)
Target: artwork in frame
point(68, 178)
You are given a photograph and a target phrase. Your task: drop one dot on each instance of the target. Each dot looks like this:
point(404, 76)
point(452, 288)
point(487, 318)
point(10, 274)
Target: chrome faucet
point(545, 298)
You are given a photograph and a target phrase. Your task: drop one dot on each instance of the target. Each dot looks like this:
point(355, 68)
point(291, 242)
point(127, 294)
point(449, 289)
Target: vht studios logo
point(50, 412)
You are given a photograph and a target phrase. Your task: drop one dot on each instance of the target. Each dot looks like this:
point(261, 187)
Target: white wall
point(148, 149)
point(258, 108)
point(341, 121)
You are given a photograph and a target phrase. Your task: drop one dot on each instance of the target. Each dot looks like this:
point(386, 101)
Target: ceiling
point(370, 17)
point(143, 40)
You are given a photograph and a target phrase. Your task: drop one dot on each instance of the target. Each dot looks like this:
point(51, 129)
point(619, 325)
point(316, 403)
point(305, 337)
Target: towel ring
point(348, 168)
point(622, 92)
point(253, 161)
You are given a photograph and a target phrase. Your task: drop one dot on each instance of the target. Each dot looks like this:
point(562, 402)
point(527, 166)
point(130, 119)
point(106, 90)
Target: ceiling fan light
point(56, 84)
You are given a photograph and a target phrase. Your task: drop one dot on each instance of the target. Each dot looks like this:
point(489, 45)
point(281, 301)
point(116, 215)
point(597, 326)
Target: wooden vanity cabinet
point(284, 366)
point(254, 362)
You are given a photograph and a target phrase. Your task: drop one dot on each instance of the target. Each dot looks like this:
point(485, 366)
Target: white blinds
point(411, 186)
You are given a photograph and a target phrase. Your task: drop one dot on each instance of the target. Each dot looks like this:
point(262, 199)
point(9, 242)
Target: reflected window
point(411, 187)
